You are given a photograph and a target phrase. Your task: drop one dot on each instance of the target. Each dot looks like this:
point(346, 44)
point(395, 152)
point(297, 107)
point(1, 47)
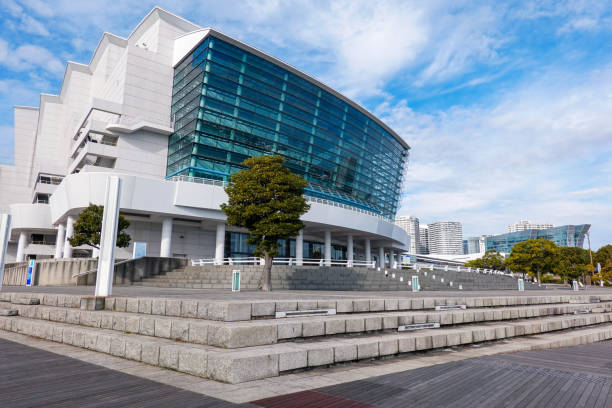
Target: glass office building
point(229, 104)
point(566, 235)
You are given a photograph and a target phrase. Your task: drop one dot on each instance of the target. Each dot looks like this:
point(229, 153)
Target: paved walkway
point(569, 377)
point(226, 294)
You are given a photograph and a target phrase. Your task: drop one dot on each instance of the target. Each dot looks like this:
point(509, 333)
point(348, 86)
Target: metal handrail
point(281, 261)
point(76, 275)
point(418, 266)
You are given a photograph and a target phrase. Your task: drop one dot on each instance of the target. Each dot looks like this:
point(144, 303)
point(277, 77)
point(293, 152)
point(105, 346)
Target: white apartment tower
point(445, 238)
point(411, 226)
point(523, 225)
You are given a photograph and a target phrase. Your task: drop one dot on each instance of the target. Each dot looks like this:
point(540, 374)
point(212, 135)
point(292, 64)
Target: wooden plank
point(30, 377)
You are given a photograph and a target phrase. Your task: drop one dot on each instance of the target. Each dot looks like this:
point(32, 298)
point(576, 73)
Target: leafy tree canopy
point(603, 255)
point(605, 274)
point(490, 260)
point(533, 256)
point(267, 199)
point(573, 262)
point(89, 224)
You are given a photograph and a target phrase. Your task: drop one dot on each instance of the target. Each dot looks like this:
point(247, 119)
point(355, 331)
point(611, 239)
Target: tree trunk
point(267, 273)
point(539, 278)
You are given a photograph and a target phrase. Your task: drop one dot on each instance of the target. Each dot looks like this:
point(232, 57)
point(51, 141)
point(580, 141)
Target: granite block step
point(198, 329)
point(251, 363)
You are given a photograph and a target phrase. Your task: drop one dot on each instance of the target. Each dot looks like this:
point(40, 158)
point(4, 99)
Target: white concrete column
point(23, 241)
point(299, 248)
point(349, 251)
point(381, 257)
point(5, 230)
point(59, 241)
point(368, 250)
point(220, 244)
point(165, 250)
point(327, 248)
point(69, 232)
point(108, 237)
point(392, 259)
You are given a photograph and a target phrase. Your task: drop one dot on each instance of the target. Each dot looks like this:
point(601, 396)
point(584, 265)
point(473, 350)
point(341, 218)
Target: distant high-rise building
point(523, 225)
point(566, 235)
point(411, 226)
point(471, 245)
point(475, 245)
point(423, 240)
point(445, 238)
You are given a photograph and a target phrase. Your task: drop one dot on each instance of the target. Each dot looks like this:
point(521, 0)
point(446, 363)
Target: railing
point(42, 242)
point(198, 180)
point(428, 266)
point(282, 261)
point(50, 180)
point(346, 207)
point(221, 183)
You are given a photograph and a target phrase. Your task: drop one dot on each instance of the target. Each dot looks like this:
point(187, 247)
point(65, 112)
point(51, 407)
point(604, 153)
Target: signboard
point(140, 250)
point(406, 259)
point(236, 280)
point(575, 286)
point(30, 272)
point(415, 283)
point(521, 285)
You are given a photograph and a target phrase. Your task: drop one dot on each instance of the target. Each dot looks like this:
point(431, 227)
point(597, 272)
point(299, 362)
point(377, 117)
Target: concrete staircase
point(238, 341)
point(330, 278)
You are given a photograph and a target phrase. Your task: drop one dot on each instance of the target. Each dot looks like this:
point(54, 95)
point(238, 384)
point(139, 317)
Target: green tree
point(267, 199)
point(573, 263)
point(89, 224)
point(603, 255)
point(533, 256)
point(490, 260)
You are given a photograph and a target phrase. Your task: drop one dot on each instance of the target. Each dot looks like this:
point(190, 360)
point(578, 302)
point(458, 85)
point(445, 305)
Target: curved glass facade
point(229, 104)
point(566, 235)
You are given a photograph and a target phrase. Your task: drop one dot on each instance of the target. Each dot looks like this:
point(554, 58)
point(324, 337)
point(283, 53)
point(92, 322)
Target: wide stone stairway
point(236, 341)
point(331, 278)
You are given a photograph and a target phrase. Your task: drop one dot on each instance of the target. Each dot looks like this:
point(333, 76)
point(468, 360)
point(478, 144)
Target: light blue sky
point(507, 105)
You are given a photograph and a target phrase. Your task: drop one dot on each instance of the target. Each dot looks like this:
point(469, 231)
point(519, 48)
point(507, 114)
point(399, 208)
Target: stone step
point(236, 366)
point(237, 310)
point(198, 330)
point(219, 277)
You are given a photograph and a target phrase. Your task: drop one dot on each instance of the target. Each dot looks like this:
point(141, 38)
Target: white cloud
point(29, 56)
point(531, 154)
point(352, 43)
point(33, 26)
point(23, 20)
point(346, 43)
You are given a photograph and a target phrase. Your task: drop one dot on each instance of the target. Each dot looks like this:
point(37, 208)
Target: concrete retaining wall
point(134, 270)
point(61, 272)
point(15, 275)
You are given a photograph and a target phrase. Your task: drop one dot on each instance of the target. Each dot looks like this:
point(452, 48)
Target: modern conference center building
point(173, 110)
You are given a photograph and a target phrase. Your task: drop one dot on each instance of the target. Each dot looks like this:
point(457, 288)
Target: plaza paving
point(37, 373)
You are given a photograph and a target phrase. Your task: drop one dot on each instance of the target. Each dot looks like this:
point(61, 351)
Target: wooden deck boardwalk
point(578, 376)
point(30, 377)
